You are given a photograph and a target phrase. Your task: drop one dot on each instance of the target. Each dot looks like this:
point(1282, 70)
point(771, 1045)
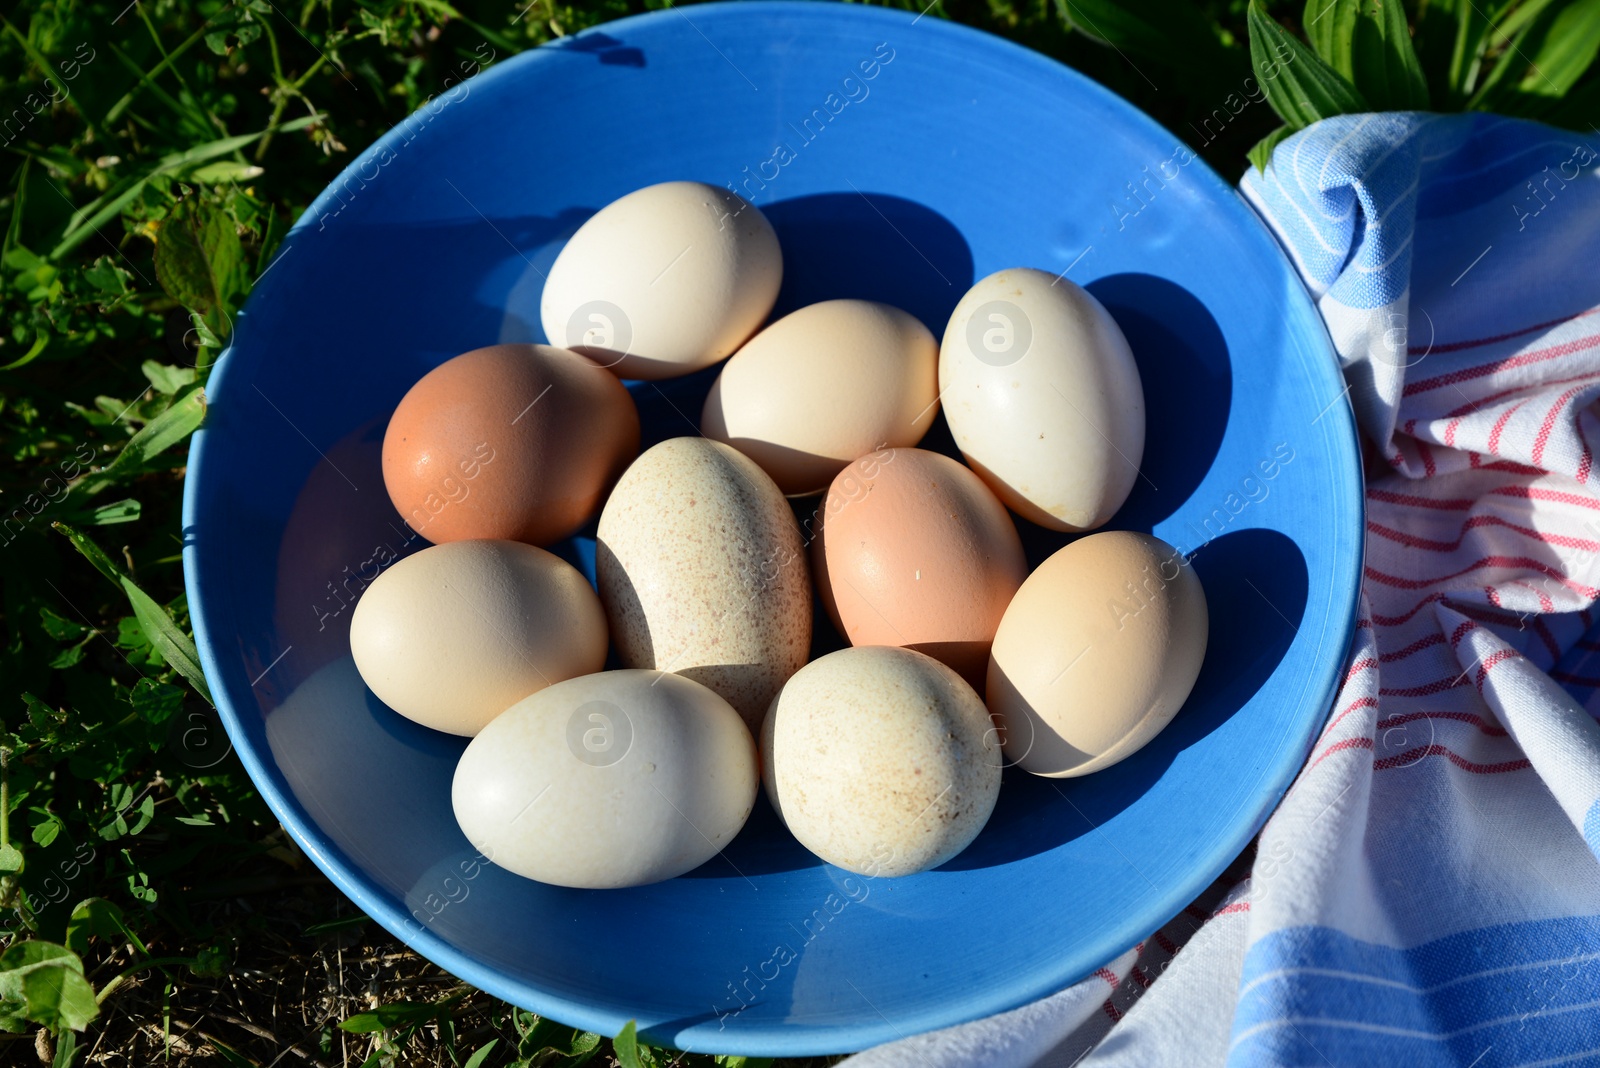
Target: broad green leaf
point(155, 622)
point(482, 1054)
point(66, 1050)
point(47, 981)
point(94, 917)
point(197, 259)
point(59, 627)
point(626, 1046)
point(167, 378)
point(155, 701)
point(1300, 86)
point(1543, 60)
point(1384, 61)
point(1261, 154)
point(1330, 26)
point(10, 859)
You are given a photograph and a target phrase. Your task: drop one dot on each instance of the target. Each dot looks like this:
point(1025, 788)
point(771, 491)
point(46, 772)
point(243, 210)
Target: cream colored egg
point(1096, 653)
point(620, 778)
point(823, 386)
point(666, 280)
point(454, 635)
point(1043, 397)
point(881, 760)
point(702, 572)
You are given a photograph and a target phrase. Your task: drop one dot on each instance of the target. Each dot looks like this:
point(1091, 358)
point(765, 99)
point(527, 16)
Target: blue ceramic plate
point(899, 159)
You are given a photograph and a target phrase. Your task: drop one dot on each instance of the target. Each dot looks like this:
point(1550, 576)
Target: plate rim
point(773, 1038)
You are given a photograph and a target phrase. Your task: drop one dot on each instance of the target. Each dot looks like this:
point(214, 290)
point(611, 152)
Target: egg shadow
point(870, 246)
point(1256, 586)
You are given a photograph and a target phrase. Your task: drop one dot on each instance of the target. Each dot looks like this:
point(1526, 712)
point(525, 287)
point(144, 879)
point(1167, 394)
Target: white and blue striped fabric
point(1428, 893)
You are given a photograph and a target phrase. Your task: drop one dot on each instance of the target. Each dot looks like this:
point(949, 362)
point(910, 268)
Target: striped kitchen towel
point(1428, 892)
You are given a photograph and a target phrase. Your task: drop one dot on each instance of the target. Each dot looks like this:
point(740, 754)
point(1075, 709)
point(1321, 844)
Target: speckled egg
point(509, 441)
point(1043, 398)
point(666, 280)
point(615, 779)
point(823, 386)
point(880, 760)
point(912, 549)
point(454, 635)
point(1097, 652)
point(702, 572)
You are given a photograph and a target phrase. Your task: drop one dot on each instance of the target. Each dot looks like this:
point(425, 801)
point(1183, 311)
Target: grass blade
point(1299, 84)
point(162, 631)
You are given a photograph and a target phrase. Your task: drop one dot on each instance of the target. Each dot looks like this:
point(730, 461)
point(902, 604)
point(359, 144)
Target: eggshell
point(823, 386)
point(456, 634)
point(1097, 652)
point(914, 550)
point(701, 571)
point(509, 441)
point(616, 779)
point(667, 280)
point(880, 760)
point(1043, 398)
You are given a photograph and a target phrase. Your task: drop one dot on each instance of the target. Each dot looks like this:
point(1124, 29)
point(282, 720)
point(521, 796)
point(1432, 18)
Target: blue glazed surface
point(962, 154)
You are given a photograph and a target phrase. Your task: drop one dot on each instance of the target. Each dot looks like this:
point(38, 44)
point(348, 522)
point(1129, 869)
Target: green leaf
point(1261, 154)
point(123, 511)
point(59, 627)
point(1544, 60)
point(94, 917)
point(481, 1054)
point(396, 1014)
point(198, 260)
point(46, 982)
point(156, 623)
point(1386, 70)
point(166, 377)
point(1330, 26)
point(155, 701)
point(1300, 86)
point(226, 170)
point(626, 1046)
point(10, 860)
point(181, 418)
point(66, 1050)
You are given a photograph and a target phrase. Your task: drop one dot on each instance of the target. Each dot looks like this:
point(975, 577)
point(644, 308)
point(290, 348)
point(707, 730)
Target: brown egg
point(519, 442)
point(914, 550)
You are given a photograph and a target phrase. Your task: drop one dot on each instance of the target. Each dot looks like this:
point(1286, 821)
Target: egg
point(1097, 652)
point(1043, 398)
point(701, 571)
point(614, 779)
point(880, 760)
point(823, 386)
point(454, 635)
point(667, 280)
point(913, 550)
point(510, 441)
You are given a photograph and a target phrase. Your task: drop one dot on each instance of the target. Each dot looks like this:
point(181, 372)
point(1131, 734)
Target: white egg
point(1043, 398)
point(454, 635)
point(664, 281)
point(620, 778)
point(881, 760)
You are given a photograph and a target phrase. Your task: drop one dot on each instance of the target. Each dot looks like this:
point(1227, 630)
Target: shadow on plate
point(1256, 586)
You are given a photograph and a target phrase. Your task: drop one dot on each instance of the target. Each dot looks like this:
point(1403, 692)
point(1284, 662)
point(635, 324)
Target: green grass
point(155, 153)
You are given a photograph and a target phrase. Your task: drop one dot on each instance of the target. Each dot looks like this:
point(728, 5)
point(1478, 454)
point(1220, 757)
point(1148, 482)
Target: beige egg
point(1043, 398)
point(702, 572)
point(881, 760)
point(823, 386)
point(1096, 653)
point(454, 635)
point(620, 778)
point(666, 280)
